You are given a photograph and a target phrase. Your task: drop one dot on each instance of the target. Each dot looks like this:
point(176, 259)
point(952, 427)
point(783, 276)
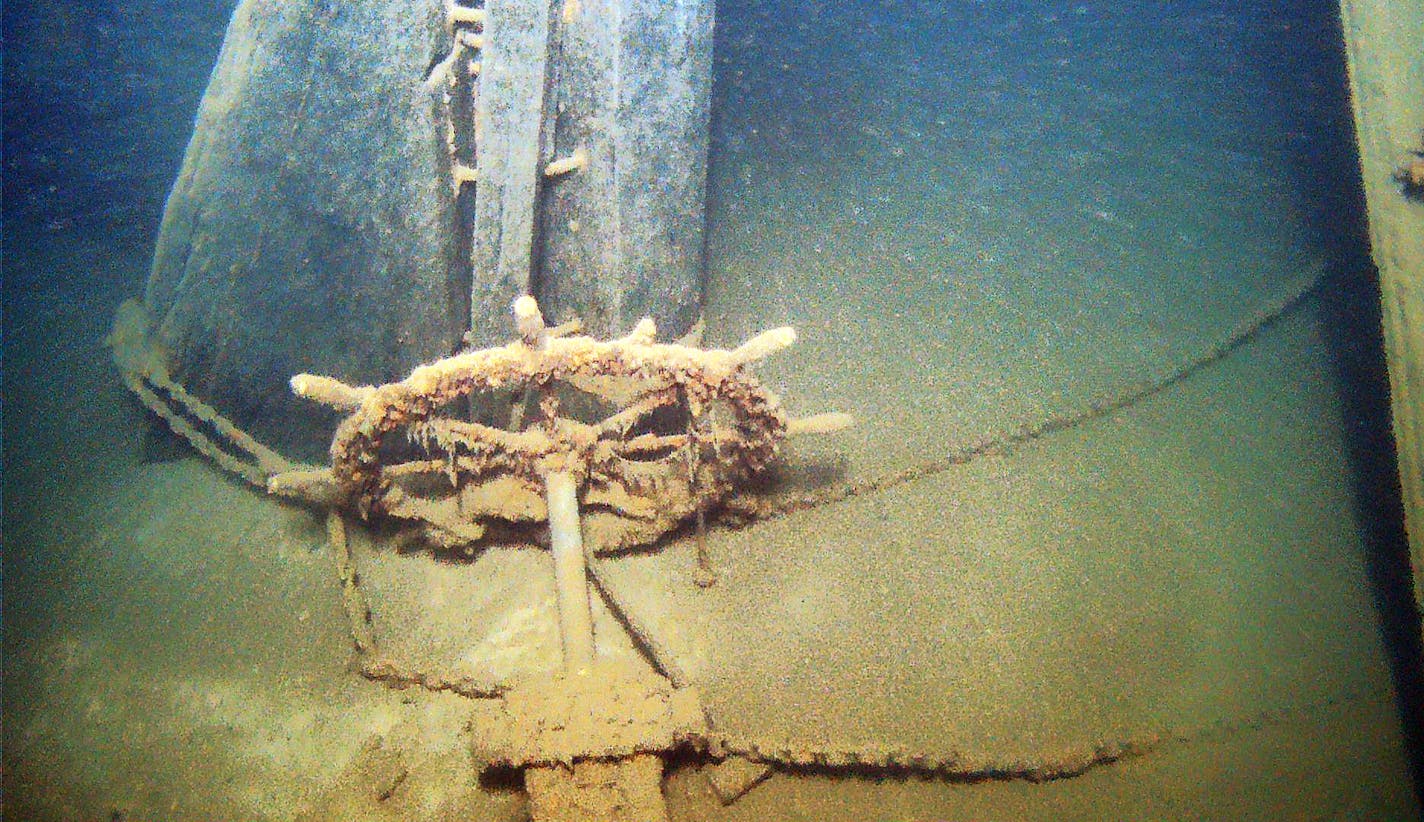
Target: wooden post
point(510, 149)
point(623, 236)
point(591, 124)
point(1382, 39)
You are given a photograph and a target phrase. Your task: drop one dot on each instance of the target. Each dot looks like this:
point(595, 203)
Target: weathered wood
point(509, 120)
point(623, 236)
point(311, 225)
point(592, 124)
point(1383, 39)
point(324, 218)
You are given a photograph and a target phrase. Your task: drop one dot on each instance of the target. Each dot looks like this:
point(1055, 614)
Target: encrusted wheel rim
point(644, 482)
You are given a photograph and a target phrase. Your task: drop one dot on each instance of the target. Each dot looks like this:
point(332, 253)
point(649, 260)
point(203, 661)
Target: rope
point(969, 765)
point(745, 510)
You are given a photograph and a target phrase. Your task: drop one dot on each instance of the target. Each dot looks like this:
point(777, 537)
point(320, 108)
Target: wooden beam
point(1382, 39)
point(510, 117)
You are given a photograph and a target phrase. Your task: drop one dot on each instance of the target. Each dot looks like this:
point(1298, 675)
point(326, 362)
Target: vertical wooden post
point(1382, 39)
point(509, 145)
point(623, 237)
point(591, 124)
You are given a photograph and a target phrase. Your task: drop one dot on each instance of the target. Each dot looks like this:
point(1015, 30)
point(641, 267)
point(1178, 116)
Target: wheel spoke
point(620, 423)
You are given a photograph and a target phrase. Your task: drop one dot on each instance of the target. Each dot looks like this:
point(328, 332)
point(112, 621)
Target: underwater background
point(981, 217)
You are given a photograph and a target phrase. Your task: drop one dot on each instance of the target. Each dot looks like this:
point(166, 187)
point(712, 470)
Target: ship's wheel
point(652, 433)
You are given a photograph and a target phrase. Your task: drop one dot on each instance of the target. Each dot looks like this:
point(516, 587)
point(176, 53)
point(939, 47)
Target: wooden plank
point(1382, 39)
point(623, 236)
point(509, 119)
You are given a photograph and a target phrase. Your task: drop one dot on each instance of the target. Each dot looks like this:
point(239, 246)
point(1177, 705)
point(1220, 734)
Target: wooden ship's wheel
point(652, 434)
point(613, 444)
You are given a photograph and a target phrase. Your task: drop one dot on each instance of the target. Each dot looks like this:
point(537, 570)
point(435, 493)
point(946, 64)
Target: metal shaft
point(570, 571)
